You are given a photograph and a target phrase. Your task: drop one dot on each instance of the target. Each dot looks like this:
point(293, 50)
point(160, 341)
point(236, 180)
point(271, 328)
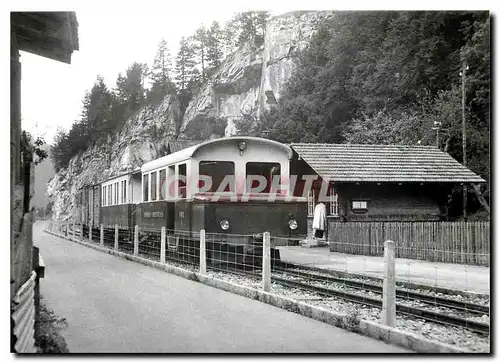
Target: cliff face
point(143, 138)
point(250, 80)
point(246, 83)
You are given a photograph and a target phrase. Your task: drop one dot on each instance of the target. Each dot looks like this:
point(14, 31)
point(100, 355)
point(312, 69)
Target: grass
point(47, 332)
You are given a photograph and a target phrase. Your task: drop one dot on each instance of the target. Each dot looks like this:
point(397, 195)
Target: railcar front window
point(145, 187)
point(216, 172)
point(181, 182)
point(260, 176)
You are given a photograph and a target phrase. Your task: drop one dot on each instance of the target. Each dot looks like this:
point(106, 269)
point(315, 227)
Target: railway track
point(400, 293)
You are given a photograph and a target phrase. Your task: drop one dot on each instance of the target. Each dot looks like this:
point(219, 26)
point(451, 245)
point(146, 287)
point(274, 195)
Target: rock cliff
point(246, 83)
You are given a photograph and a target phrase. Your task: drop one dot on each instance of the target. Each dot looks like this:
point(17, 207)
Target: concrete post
point(90, 232)
point(266, 262)
point(136, 240)
point(101, 242)
point(116, 237)
point(389, 290)
point(203, 253)
point(162, 244)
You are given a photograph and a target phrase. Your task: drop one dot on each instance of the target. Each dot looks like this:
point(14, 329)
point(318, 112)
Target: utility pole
point(465, 67)
point(437, 126)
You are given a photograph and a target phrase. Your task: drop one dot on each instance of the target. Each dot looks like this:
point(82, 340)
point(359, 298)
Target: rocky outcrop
point(232, 92)
point(250, 79)
point(285, 36)
point(143, 138)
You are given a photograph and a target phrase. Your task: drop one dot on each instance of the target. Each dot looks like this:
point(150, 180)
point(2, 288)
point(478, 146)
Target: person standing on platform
point(319, 221)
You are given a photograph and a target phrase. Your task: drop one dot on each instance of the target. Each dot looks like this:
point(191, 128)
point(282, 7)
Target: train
point(235, 188)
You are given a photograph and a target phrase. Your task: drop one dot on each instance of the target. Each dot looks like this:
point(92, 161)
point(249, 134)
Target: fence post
point(74, 231)
point(389, 292)
point(116, 237)
point(203, 253)
point(162, 244)
point(90, 232)
point(266, 262)
point(101, 241)
point(136, 240)
point(66, 229)
point(81, 231)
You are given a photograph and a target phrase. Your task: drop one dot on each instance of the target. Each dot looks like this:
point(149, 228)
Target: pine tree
point(185, 64)
point(214, 45)
point(199, 41)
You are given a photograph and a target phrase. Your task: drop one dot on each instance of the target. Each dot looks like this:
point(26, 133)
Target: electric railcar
point(229, 187)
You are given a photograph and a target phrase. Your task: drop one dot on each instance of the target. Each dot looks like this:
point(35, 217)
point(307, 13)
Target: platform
point(444, 275)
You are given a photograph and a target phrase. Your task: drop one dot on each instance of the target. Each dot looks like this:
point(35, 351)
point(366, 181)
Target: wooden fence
point(451, 242)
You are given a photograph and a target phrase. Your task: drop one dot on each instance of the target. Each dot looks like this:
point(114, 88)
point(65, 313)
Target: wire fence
point(381, 285)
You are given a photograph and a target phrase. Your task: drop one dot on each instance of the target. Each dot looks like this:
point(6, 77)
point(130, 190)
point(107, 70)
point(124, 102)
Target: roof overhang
point(51, 35)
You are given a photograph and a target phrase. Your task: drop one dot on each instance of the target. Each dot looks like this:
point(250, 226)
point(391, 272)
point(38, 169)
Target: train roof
point(189, 152)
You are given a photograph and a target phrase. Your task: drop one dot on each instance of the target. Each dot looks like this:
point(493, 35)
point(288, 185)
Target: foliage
point(35, 146)
point(205, 127)
point(47, 332)
point(161, 74)
point(214, 45)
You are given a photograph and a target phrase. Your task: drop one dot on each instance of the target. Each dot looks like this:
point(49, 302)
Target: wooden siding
point(450, 242)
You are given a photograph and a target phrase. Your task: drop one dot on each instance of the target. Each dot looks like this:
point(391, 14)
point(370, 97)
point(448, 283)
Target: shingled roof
point(383, 163)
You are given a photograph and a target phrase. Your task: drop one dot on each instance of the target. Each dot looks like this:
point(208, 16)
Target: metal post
point(203, 253)
point(101, 242)
point(116, 237)
point(162, 244)
point(266, 262)
point(136, 240)
point(389, 289)
point(464, 137)
point(90, 232)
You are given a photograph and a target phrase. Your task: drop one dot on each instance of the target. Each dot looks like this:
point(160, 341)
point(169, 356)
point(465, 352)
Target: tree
point(214, 45)
point(97, 111)
point(200, 47)
point(160, 74)
point(187, 74)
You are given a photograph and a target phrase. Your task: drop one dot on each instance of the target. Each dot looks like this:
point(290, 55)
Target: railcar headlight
point(293, 224)
point(224, 224)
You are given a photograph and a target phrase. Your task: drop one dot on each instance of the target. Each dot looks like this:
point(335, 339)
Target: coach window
point(267, 170)
point(153, 186)
point(103, 196)
point(145, 187)
point(163, 184)
point(117, 190)
point(216, 171)
point(110, 191)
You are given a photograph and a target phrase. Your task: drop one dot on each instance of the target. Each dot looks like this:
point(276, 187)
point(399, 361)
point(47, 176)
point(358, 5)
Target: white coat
point(319, 221)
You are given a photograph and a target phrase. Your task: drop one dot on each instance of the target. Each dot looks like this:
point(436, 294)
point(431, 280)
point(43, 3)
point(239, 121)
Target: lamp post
point(465, 68)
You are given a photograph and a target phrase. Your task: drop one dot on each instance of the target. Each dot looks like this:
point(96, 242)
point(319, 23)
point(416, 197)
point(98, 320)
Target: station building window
point(216, 171)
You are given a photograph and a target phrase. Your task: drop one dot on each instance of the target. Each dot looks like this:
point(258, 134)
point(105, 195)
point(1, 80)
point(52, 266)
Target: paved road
point(118, 306)
point(446, 275)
